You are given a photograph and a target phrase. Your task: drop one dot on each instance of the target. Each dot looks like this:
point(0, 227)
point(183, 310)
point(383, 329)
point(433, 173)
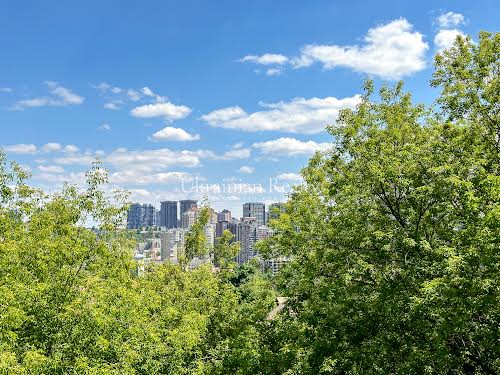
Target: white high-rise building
point(189, 217)
point(172, 244)
point(247, 237)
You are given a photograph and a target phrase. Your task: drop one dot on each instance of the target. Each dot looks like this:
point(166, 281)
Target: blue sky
point(220, 92)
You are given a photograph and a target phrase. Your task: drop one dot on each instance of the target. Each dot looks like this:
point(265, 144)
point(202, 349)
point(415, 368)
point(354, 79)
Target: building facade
point(141, 216)
point(186, 205)
point(189, 217)
point(168, 214)
point(256, 210)
point(224, 215)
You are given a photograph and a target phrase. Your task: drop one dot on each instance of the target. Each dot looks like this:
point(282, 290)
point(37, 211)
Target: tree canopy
point(395, 233)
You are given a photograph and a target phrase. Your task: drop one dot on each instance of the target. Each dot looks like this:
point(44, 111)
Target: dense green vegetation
point(394, 235)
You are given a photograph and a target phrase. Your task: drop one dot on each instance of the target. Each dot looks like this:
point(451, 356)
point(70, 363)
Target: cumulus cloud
point(113, 105)
point(147, 91)
point(59, 96)
point(149, 160)
point(448, 31)
point(450, 20)
point(71, 149)
point(444, 39)
point(133, 95)
point(105, 87)
point(390, 51)
point(246, 169)
point(166, 110)
point(299, 115)
point(51, 168)
point(46, 148)
point(266, 59)
point(289, 177)
point(135, 177)
point(274, 71)
point(21, 148)
point(174, 134)
point(51, 147)
point(238, 153)
point(105, 126)
point(289, 147)
point(76, 159)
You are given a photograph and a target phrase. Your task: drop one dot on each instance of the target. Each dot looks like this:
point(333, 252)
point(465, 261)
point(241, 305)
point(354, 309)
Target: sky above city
point(177, 96)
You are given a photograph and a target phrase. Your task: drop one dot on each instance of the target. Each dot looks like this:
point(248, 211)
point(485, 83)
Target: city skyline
point(147, 215)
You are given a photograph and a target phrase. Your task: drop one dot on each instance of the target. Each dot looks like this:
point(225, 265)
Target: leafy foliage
point(395, 233)
point(70, 301)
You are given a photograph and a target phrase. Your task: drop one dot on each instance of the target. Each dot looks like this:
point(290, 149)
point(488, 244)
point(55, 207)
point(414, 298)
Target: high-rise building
point(189, 217)
point(209, 232)
point(186, 205)
point(168, 214)
point(224, 215)
point(213, 216)
point(141, 216)
point(172, 244)
point(134, 216)
point(256, 210)
point(150, 215)
point(247, 237)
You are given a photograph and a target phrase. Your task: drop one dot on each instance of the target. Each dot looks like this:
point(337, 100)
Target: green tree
point(195, 241)
point(226, 251)
point(70, 302)
point(395, 233)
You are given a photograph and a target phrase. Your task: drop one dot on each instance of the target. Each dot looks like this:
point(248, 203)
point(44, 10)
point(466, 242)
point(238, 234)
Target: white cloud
point(166, 110)
point(174, 134)
point(135, 177)
point(147, 91)
point(21, 148)
point(105, 126)
point(76, 159)
point(237, 145)
point(296, 116)
point(391, 51)
point(266, 59)
point(444, 39)
point(239, 153)
point(5, 89)
point(246, 169)
point(114, 105)
point(66, 96)
point(289, 177)
point(133, 95)
point(450, 19)
point(223, 115)
point(75, 178)
point(51, 147)
point(71, 149)
point(289, 147)
point(51, 168)
point(105, 87)
point(150, 160)
point(274, 71)
point(59, 96)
